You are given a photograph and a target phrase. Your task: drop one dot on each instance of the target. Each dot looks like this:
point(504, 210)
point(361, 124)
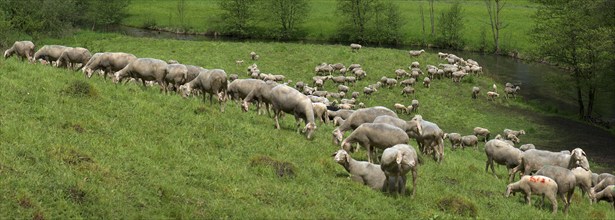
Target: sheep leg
point(553, 203)
point(370, 152)
point(276, 113)
point(402, 183)
point(386, 185)
point(415, 176)
point(568, 200)
point(528, 198)
point(511, 173)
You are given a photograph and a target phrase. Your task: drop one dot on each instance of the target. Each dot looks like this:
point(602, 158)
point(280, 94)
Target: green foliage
point(450, 27)
point(286, 16)
point(369, 21)
point(483, 40)
point(238, 18)
point(458, 206)
point(80, 88)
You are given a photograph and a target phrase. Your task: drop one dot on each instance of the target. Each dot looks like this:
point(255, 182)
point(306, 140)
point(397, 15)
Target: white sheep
point(454, 138)
point(366, 173)
point(475, 91)
point(399, 108)
point(416, 53)
point(355, 47)
point(538, 185)
point(607, 194)
point(492, 95)
point(370, 135)
point(584, 181)
point(478, 131)
point(469, 140)
point(396, 162)
point(426, 82)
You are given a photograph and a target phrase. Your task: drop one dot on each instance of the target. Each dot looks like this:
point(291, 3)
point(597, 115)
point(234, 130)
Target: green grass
point(77, 148)
point(321, 24)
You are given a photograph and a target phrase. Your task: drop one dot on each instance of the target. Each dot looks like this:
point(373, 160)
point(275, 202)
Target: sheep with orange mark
point(538, 185)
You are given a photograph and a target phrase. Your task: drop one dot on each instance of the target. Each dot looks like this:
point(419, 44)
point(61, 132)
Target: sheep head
point(580, 159)
point(309, 129)
point(185, 90)
point(337, 136)
point(415, 124)
point(509, 190)
point(7, 53)
point(244, 106)
point(341, 157)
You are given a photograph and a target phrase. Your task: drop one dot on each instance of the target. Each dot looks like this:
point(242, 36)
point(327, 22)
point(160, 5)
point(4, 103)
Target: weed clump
point(79, 88)
point(76, 194)
point(282, 168)
point(458, 206)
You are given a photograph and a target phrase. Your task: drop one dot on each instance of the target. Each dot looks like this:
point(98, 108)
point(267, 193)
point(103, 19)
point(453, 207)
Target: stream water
point(536, 84)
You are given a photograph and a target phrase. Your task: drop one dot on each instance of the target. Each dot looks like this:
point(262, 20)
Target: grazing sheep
point(286, 99)
point(342, 88)
point(565, 179)
point(475, 91)
point(407, 90)
point(442, 55)
point(609, 180)
point(502, 153)
point(469, 140)
point(321, 112)
point(176, 75)
point(454, 138)
point(338, 67)
point(354, 66)
point(416, 53)
point(495, 88)
point(337, 121)
point(426, 82)
point(49, 53)
point(238, 62)
point(584, 181)
point(408, 82)
point(399, 108)
point(492, 95)
point(355, 95)
point(368, 90)
point(478, 131)
point(370, 135)
point(355, 47)
point(232, 77)
point(361, 105)
point(262, 94)
point(299, 85)
point(526, 147)
point(23, 50)
point(429, 137)
point(415, 105)
point(597, 178)
point(390, 82)
point(323, 68)
point(343, 113)
point(339, 79)
point(208, 81)
point(145, 69)
point(538, 185)
point(351, 80)
point(396, 162)
point(240, 88)
point(109, 62)
point(513, 132)
point(360, 73)
point(532, 160)
point(73, 56)
point(400, 73)
point(366, 115)
point(509, 91)
point(607, 194)
point(363, 172)
point(253, 55)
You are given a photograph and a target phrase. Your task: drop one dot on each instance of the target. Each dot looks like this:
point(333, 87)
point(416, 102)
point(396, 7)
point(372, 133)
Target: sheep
point(320, 112)
point(351, 80)
point(408, 82)
point(607, 194)
point(176, 74)
point(368, 90)
point(109, 62)
point(354, 66)
point(355, 95)
point(323, 68)
point(526, 147)
point(208, 81)
point(396, 162)
point(361, 105)
point(286, 99)
point(597, 178)
point(509, 91)
point(442, 55)
point(145, 69)
point(469, 140)
point(478, 131)
point(415, 105)
point(337, 121)
point(400, 73)
point(495, 88)
point(49, 53)
point(348, 101)
point(366, 115)
point(338, 67)
point(584, 181)
point(458, 75)
point(454, 138)
point(23, 50)
point(343, 113)
point(492, 95)
point(475, 91)
point(72, 56)
point(502, 153)
point(337, 95)
point(407, 90)
point(426, 82)
point(415, 64)
point(346, 106)
point(513, 138)
point(399, 108)
point(363, 172)
point(360, 73)
point(609, 180)
point(416, 53)
point(238, 62)
point(355, 47)
point(370, 135)
point(260, 92)
point(240, 88)
point(565, 179)
point(513, 132)
point(254, 56)
point(532, 160)
point(538, 185)
point(429, 137)
point(342, 88)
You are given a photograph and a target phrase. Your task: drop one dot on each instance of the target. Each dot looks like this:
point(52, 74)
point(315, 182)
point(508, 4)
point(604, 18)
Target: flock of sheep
point(554, 173)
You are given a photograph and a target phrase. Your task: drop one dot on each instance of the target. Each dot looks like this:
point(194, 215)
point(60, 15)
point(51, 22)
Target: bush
point(80, 88)
point(451, 26)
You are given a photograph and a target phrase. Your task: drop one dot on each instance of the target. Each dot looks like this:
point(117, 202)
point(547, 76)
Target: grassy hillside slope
point(85, 148)
point(323, 20)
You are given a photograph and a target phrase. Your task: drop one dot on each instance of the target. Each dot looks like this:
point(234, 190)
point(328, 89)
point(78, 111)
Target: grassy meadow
point(72, 147)
point(321, 24)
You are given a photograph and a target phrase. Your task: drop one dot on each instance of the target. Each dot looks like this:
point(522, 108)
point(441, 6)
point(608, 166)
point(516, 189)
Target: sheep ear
point(400, 157)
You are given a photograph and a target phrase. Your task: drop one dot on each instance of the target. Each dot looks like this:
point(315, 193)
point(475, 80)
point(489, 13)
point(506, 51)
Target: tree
point(104, 12)
point(238, 16)
point(494, 7)
point(372, 21)
point(356, 13)
point(181, 13)
point(287, 15)
point(576, 35)
point(450, 27)
point(431, 18)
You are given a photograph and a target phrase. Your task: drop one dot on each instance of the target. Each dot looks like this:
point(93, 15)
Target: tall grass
point(85, 148)
point(323, 19)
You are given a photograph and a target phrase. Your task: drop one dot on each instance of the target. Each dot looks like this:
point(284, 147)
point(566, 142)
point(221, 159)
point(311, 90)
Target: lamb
point(364, 172)
point(366, 115)
point(565, 179)
point(370, 135)
point(145, 69)
point(584, 181)
point(399, 108)
point(23, 50)
point(396, 162)
point(407, 90)
point(607, 194)
point(208, 81)
point(469, 140)
point(262, 93)
point(502, 153)
point(73, 56)
point(475, 91)
point(532, 160)
point(355, 47)
point(513, 132)
point(49, 53)
point(492, 95)
point(426, 82)
point(539, 185)
point(526, 147)
point(454, 138)
point(286, 99)
point(416, 53)
point(478, 131)
point(320, 112)
point(109, 62)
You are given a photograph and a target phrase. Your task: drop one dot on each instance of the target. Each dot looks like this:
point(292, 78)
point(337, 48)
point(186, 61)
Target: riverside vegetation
point(85, 148)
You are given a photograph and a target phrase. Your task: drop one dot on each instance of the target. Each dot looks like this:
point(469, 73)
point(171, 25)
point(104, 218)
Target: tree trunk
point(591, 100)
point(431, 17)
point(422, 21)
point(579, 94)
